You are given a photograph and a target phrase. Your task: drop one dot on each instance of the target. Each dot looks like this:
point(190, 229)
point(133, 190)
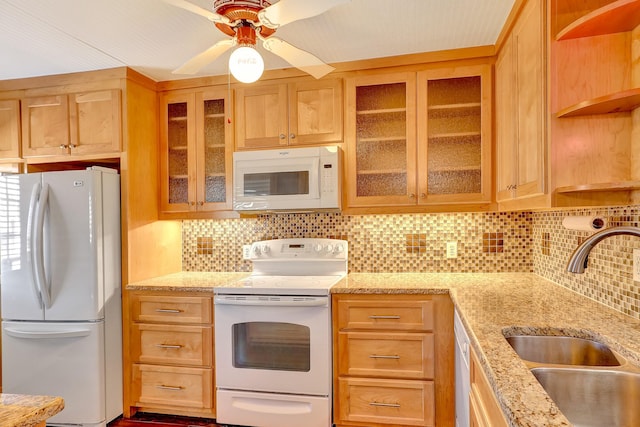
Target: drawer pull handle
point(171, 346)
point(386, 405)
point(167, 310)
point(381, 356)
point(170, 387)
point(376, 316)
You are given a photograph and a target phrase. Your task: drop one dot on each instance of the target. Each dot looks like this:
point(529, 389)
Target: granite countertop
point(187, 282)
point(18, 410)
point(491, 306)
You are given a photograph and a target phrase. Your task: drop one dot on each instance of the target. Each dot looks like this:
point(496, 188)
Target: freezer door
point(19, 295)
point(73, 245)
point(57, 359)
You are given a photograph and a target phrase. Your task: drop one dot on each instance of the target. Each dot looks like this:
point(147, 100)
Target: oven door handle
point(256, 301)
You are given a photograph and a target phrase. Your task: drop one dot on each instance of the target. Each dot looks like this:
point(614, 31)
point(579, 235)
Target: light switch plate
point(246, 251)
point(452, 249)
point(636, 265)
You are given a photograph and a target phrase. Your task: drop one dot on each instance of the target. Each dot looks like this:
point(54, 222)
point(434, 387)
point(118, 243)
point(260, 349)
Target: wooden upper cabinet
point(77, 124)
point(196, 151)
point(95, 122)
point(381, 140)
point(45, 126)
point(297, 113)
point(455, 135)
point(10, 129)
point(521, 111)
point(420, 140)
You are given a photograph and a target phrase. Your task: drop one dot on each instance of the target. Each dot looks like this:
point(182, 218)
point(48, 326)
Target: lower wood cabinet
point(484, 409)
point(170, 353)
point(393, 360)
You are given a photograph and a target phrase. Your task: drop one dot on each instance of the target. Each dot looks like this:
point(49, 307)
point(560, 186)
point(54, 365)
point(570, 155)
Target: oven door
point(276, 183)
point(278, 344)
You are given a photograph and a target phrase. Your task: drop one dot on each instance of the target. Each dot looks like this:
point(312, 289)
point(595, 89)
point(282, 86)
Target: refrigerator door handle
point(30, 243)
point(38, 247)
point(75, 333)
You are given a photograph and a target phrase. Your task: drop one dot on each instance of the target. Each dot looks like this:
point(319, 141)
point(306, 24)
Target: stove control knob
point(329, 248)
point(256, 250)
point(338, 249)
point(265, 249)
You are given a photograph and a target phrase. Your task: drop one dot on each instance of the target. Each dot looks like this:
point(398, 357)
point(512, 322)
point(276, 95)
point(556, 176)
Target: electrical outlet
point(246, 251)
point(452, 249)
point(636, 265)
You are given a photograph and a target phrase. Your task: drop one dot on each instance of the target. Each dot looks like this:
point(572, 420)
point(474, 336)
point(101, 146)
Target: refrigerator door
point(18, 200)
point(73, 241)
point(57, 359)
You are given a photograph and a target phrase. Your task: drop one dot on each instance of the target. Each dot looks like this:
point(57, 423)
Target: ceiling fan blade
point(286, 11)
point(196, 63)
point(211, 16)
point(299, 58)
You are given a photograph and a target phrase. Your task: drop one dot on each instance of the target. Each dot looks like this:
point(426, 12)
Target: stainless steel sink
point(590, 397)
point(562, 350)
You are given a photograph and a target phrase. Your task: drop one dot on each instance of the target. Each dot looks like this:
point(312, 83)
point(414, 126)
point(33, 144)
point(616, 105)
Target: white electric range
point(273, 335)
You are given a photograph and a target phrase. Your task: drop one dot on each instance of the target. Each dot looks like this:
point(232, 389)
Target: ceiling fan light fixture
point(246, 64)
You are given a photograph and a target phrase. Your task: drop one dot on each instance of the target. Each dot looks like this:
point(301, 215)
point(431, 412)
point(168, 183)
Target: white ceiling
point(43, 37)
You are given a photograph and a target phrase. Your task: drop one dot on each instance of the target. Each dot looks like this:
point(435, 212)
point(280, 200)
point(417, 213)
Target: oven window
point(276, 183)
point(272, 345)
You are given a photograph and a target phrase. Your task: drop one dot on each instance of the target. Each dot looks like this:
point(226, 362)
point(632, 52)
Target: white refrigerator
point(60, 291)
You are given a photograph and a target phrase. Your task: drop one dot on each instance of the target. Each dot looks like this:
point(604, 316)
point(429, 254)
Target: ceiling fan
point(247, 20)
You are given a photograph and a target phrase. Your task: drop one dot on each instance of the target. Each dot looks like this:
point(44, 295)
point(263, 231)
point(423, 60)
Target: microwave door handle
point(314, 175)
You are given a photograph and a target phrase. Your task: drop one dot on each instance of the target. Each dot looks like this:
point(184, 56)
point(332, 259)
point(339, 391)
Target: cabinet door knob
point(192, 203)
point(73, 146)
point(423, 195)
point(63, 146)
point(292, 136)
point(283, 136)
point(412, 195)
point(201, 203)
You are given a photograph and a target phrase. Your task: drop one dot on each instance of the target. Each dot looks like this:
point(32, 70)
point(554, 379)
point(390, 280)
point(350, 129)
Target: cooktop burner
point(301, 266)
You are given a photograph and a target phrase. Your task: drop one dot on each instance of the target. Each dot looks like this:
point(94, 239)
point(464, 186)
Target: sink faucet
point(580, 257)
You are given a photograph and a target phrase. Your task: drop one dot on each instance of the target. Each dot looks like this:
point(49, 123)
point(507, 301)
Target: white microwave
point(290, 179)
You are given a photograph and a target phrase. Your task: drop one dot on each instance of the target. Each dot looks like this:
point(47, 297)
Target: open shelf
point(605, 186)
point(618, 102)
point(616, 17)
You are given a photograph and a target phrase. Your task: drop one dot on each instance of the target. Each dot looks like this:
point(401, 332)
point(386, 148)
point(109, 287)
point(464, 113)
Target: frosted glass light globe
point(246, 64)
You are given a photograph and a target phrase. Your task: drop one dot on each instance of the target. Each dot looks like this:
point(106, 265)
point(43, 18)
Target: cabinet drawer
point(172, 344)
point(172, 386)
point(171, 309)
point(396, 355)
point(385, 314)
point(402, 402)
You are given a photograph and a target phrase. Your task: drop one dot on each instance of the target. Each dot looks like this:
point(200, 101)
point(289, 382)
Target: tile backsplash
point(486, 242)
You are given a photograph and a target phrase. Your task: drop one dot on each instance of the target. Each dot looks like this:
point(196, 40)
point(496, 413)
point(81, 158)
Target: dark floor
point(155, 420)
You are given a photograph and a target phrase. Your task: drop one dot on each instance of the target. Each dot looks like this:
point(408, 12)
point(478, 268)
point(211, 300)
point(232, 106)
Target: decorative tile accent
point(205, 246)
point(416, 243)
point(493, 242)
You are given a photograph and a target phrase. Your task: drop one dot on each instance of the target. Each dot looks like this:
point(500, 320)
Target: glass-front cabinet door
point(196, 151)
point(381, 140)
point(454, 135)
